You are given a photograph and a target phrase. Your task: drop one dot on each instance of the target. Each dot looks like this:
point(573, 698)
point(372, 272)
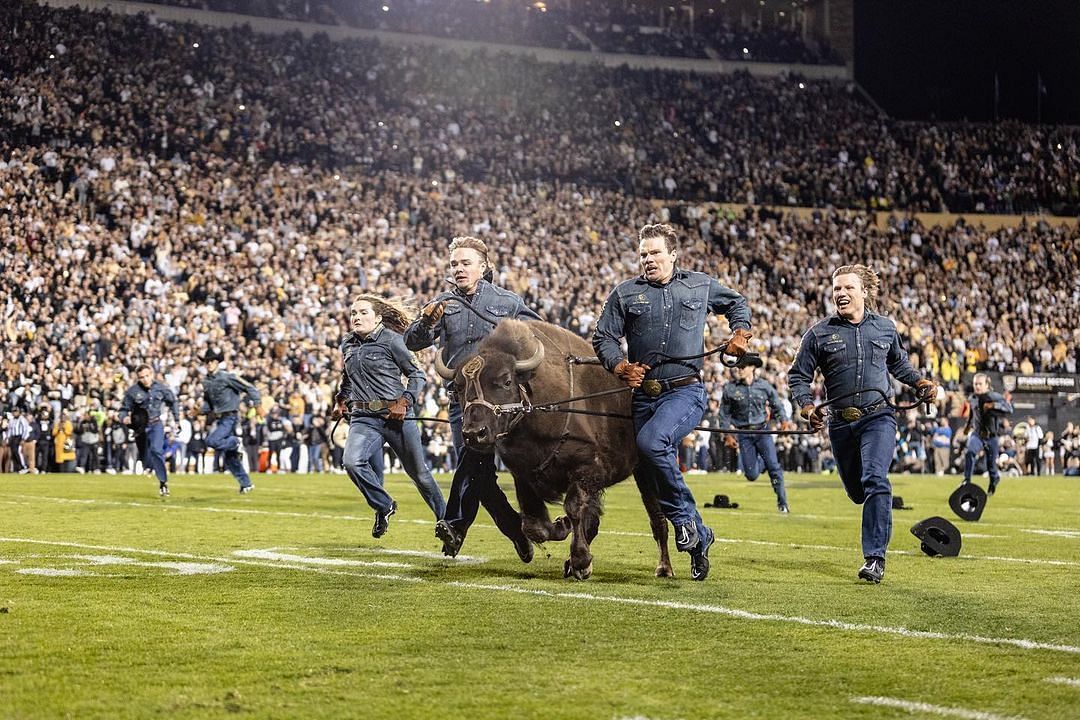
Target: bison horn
point(446, 373)
point(533, 362)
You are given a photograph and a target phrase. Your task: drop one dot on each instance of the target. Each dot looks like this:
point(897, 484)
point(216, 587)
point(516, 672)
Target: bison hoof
point(570, 571)
point(664, 571)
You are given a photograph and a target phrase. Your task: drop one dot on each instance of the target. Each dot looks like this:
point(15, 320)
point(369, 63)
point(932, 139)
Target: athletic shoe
point(699, 557)
point(163, 489)
point(872, 570)
point(783, 508)
point(382, 521)
point(990, 490)
point(686, 537)
point(245, 489)
point(450, 538)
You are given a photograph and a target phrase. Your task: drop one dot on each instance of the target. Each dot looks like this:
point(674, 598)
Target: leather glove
point(812, 416)
point(339, 411)
point(631, 373)
point(731, 441)
point(926, 390)
point(398, 409)
point(738, 343)
point(432, 313)
point(988, 405)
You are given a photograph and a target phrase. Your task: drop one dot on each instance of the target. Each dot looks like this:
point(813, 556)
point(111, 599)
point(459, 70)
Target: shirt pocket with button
point(879, 351)
point(639, 317)
point(834, 356)
point(691, 314)
point(498, 313)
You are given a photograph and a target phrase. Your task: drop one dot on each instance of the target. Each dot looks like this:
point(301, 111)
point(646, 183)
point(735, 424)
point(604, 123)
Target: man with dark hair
point(457, 322)
point(744, 407)
point(857, 349)
point(221, 402)
point(986, 409)
point(662, 316)
point(371, 392)
point(141, 409)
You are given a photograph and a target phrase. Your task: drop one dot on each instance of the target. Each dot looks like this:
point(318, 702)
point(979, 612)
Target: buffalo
point(553, 456)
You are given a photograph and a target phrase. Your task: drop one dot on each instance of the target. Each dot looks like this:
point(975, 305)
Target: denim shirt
point(374, 366)
point(987, 423)
point(222, 391)
point(851, 357)
point(743, 405)
point(150, 401)
point(666, 319)
point(459, 330)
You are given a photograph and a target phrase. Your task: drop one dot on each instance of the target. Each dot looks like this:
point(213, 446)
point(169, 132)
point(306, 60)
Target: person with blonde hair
point(857, 350)
point(377, 402)
point(456, 322)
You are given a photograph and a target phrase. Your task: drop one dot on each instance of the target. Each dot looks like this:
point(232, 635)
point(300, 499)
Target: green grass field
point(115, 603)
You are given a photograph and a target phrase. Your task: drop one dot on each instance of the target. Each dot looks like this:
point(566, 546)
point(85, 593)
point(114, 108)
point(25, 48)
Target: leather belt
point(851, 414)
point(653, 388)
point(375, 405)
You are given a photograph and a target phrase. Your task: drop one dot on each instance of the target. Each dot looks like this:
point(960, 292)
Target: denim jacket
point(140, 399)
point(851, 357)
point(222, 391)
point(459, 330)
point(743, 405)
point(374, 366)
point(987, 422)
point(668, 319)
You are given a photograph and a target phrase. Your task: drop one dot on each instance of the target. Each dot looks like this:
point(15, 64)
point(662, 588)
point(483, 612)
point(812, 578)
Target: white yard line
point(1061, 680)
point(270, 554)
point(1074, 534)
point(352, 518)
point(921, 708)
point(239, 561)
point(736, 613)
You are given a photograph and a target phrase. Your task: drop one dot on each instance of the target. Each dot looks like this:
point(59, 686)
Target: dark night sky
point(937, 58)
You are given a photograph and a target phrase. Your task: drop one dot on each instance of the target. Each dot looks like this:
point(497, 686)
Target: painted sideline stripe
point(748, 615)
point(1062, 680)
point(468, 559)
point(269, 554)
point(928, 709)
point(1021, 643)
point(1056, 533)
point(210, 558)
point(622, 533)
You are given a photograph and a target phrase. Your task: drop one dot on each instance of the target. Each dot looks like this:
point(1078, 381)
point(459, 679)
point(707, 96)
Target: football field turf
point(116, 603)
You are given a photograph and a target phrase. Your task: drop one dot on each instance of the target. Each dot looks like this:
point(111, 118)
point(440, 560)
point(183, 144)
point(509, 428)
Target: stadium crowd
point(580, 25)
point(145, 217)
point(174, 89)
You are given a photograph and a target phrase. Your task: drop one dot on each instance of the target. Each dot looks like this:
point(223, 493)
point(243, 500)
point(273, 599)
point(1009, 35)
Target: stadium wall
point(337, 32)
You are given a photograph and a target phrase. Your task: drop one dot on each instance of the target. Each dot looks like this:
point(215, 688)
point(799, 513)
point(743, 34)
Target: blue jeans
point(976, 445)
point(660, 424)
point(864, 451)
point(476, 483)
point(366, 436)
point(152, 449)
point(755, 448)
point(222, 438)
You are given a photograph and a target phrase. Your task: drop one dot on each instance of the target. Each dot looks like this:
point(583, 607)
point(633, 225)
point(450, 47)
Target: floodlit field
point(116, 603)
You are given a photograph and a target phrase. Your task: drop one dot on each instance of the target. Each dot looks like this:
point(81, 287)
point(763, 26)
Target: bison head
point(490, 385)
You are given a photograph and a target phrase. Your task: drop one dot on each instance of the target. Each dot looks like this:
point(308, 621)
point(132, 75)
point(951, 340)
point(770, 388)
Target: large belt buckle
point(376, 405)
point(652, 388)
point(851, 414)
